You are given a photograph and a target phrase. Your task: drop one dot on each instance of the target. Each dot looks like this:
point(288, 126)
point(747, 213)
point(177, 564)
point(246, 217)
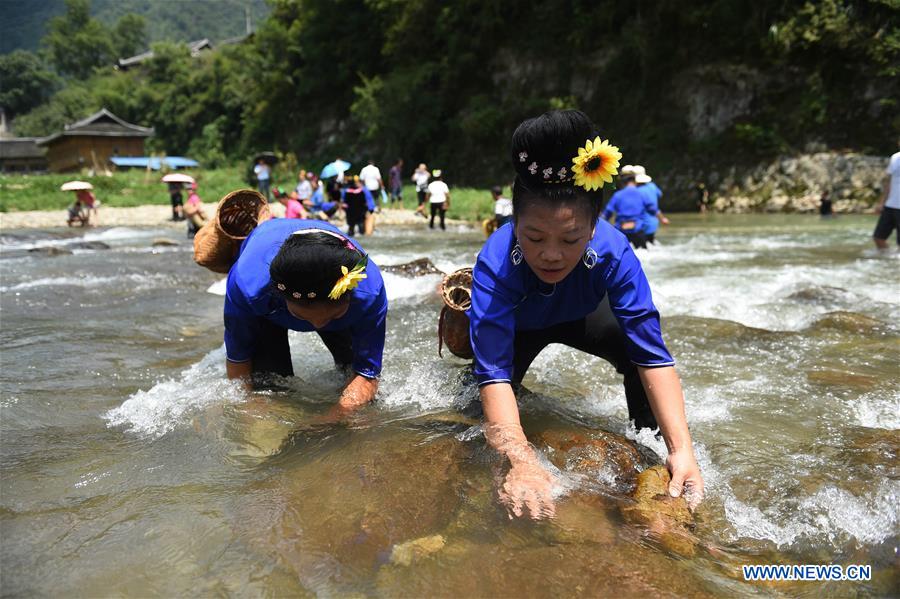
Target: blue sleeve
point(370, 203)
point(632, 304)
point(241, 324)
point(367, 337)
point(650, 205)
point(610, 208)
point(492, 326)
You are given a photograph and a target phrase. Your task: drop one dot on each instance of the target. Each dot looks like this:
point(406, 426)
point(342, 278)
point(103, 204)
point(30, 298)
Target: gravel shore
point(158, 216)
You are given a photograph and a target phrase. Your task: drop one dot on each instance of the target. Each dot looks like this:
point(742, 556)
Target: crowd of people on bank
point(634, 207)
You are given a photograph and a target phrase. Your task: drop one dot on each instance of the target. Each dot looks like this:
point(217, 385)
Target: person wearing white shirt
point(420, 177)
point(438, 196)
point(889, 207)
point(371, 178)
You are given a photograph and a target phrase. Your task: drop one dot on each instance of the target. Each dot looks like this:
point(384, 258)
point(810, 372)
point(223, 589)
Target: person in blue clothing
point(558, 274)
point(305, 275)
point(630, 207)
point(653, 216)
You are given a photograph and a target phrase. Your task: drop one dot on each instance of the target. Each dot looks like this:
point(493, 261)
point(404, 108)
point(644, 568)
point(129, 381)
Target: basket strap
point(441, 331)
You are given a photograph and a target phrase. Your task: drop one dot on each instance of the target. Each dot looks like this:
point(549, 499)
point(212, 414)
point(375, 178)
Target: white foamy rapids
point(218, 288)
point(134, 281)
point(159, 410)
point(113, 234)
point(869, 520)
point(400, 287)
point(874, 410)
point(761, 297)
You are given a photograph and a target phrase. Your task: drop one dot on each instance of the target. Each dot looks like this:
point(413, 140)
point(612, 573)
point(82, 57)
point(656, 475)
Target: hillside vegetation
point(680, 87)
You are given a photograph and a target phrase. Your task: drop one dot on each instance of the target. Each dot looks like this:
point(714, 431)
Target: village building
point(91, 142)
point(20, 154)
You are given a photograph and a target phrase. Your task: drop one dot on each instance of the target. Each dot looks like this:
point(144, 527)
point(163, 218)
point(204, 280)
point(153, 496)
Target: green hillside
point(23, 22)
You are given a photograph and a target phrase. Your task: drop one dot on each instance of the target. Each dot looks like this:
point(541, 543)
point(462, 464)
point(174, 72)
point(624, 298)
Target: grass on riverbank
point(139, 188)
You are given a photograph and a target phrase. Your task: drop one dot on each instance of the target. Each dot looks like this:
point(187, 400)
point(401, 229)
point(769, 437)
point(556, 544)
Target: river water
point(130, 467)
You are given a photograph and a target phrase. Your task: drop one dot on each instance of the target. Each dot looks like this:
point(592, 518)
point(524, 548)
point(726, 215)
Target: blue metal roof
point(173, 162)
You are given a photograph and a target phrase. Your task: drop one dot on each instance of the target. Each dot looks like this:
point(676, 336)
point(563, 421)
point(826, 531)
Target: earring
point(590, 257)
point(516, 256)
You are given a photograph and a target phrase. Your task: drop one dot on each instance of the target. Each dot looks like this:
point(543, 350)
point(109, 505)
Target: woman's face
point(553, 238)
point(318, 314)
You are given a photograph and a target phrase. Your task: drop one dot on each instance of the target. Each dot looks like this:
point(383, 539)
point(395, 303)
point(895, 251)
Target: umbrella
point(270, 158)
point(177, 178)
point(331, 169)
point(76, 186)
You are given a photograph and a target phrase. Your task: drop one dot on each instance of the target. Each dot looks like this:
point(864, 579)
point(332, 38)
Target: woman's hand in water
point(686, 477)
point(528, 489)
point(527, 486)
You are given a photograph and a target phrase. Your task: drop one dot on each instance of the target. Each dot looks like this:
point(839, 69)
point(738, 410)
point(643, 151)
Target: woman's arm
point(240, 370)
point(667, 400)
point(358, 392)
point(528, 486)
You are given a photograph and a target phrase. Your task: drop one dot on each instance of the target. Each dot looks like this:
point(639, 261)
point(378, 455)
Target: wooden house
point(91, 142)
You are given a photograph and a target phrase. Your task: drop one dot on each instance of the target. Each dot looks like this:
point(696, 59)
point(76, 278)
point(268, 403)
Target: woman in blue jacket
point(557, 274)
point(305, 275)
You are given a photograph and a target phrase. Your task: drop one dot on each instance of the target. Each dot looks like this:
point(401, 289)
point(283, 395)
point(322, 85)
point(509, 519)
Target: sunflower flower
point(597, 162)
point(349, 279)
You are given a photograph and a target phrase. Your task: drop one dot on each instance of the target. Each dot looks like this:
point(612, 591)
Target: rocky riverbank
point(789, 184)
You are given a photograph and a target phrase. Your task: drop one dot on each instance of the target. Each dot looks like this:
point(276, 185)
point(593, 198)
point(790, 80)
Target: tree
point(130, 35)
point(77, 44)
point(25, 82)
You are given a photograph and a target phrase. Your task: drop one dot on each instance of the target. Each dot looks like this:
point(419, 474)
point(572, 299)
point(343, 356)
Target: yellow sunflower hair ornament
point(597, 162)
point(349, 279)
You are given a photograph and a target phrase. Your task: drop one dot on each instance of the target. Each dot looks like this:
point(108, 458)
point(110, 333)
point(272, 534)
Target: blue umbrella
point(331, 169)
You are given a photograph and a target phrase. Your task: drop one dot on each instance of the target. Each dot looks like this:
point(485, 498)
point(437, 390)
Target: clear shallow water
point(131, 467)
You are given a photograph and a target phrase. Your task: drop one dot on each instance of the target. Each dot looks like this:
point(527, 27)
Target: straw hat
point(640, 174)
point(626, 170)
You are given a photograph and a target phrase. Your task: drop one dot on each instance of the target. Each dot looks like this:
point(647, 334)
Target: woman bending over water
point(557, 274)
point(305, 275)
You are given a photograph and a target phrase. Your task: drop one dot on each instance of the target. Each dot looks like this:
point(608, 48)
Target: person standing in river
point(305, 275)
point(561, 275)
point(438, 198)
point(630, 208)
point(889, 207)
point(420, 177)
point(653, 216)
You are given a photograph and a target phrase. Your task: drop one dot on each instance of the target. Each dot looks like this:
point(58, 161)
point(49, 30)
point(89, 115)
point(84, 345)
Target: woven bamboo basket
point(216, 245)
point(453, 324)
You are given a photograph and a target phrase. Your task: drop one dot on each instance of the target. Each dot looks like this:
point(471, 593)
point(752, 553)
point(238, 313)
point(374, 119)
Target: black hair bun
point(543, 147)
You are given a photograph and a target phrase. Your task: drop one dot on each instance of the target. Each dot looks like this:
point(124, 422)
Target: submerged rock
point(164, 242)
point(849, 322)
point(358, 497)
point(605, 457)
point(50, 250)
point(665, 516)
point(406, 553)
point(417, 268)
point(90, 245)
point(840, 378)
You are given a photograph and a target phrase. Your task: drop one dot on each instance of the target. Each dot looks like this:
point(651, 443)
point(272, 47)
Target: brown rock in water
point(417, 268)
point(849, 322)
point(164, 242)
point(599, 454)
point(50, 250)
point(666, 516)
point(841, 379)
point(352, 497)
